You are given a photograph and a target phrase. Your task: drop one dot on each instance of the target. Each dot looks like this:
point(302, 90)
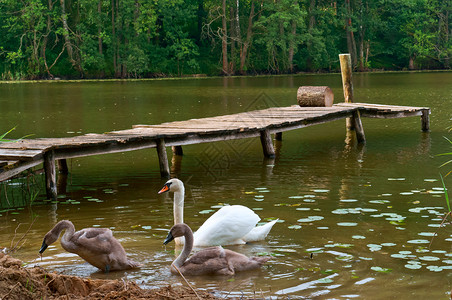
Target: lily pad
point(310, 219)
point(321, 191)
point(294, 227)
point(426, 233)
point(429, 258)
point(380, 269)
point(435, 268)
point(379, 201)
point(303, 208)
point(419, 241)
point(374, 247)
point(325, 280)
point(347, 224)
point(348, 200)
point(413, 266)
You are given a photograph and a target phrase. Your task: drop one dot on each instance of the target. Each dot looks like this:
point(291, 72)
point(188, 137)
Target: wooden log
point(425, 119)
point(267, 144)
point(347, 83)
point(50, 175)
point(163, 159)
point(319, 96)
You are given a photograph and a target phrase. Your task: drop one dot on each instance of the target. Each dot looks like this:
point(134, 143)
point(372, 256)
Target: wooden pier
point(16, 157)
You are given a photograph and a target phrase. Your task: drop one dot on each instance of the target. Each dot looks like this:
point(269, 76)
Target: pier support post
point(267, 144)
point(50, 175)
point(278, 136)
point(163, 159)
point(177, 150)
point(62, 166)
point(347, 83)
point(425, 118)
point(358, 126)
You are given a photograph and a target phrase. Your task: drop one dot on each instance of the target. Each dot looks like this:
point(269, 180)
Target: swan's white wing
point(259, 233)
point(226, 227)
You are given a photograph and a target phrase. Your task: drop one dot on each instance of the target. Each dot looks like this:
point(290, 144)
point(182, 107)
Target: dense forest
point(149, 38)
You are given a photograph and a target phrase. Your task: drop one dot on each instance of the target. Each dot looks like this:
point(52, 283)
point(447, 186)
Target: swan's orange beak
point(165, 188)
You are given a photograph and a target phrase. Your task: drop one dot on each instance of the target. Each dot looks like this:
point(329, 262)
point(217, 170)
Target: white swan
point(231, 225)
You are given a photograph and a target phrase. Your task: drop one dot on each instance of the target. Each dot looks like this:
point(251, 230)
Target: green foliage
point(142, 38)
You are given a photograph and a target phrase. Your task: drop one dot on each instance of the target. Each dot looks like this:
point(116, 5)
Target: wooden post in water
point(267, 144)
point(358, 126)
point(163, 159)
point(278, 136)
point(177, 150)
point(62, 166)
point(50, 175)
point(425, 120)
point(347, 83)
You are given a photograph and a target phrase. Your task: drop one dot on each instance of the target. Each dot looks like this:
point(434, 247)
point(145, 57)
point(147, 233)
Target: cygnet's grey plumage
point(95, 245)
point(212, 260)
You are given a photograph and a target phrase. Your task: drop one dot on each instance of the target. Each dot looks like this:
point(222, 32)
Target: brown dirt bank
point(18, 283)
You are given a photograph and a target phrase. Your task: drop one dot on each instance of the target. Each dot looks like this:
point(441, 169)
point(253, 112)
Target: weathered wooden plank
point(17, 168)
point(19, 154)
point(380, 107)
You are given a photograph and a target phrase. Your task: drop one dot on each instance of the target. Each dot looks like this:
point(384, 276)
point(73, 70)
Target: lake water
point(366, 213)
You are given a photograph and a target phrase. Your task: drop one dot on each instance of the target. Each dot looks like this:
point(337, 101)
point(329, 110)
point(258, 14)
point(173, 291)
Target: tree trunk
point(446, 38)
point(351, 45)
point(99, 32)
point(45, 40)
point(411, 64)
point(249, 36)
point(292, 46)
point(234, 41)
point(99, 26)
point(309, 62)
point(113, 38)
point(67, 39)
point(361, 51)
point(224, 42)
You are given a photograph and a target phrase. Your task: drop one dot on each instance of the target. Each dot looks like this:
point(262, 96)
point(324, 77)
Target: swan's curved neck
point(178, 206)
point(70, 230)
point(188, 246)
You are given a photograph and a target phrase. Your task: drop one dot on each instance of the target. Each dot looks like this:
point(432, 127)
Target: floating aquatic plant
point(294, 227)
point(380, 269)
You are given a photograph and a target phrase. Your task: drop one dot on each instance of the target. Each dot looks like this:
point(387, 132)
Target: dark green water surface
point(368, 214)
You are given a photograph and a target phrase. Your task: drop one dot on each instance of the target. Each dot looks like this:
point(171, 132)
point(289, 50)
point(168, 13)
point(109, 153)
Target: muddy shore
point(19, 283)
